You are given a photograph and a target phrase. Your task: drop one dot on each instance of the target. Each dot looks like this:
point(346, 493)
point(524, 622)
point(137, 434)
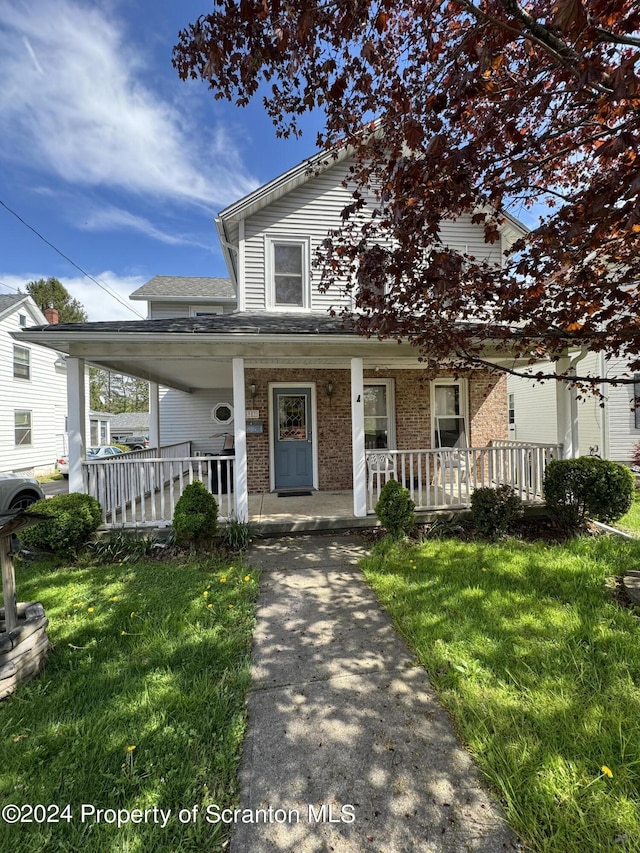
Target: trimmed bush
point(195, 520)
point(395, 509)
point(495, 511)
point(73, 518)
point(588, 487)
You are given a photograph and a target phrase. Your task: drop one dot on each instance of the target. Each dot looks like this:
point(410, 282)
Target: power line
point(104, 287)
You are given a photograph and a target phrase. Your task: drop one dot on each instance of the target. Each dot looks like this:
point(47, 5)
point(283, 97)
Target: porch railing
point(447, 477)
point(144, 490)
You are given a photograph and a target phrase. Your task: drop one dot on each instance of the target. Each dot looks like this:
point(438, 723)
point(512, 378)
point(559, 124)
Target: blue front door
point(293, 439)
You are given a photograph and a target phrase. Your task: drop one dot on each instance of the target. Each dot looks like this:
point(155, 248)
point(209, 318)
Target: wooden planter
point(23, 650)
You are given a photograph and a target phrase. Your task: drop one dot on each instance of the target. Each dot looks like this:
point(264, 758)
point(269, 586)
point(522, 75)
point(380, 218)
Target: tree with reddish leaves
point(453, 107)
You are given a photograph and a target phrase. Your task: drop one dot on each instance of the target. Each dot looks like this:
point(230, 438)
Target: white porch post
point(154, 415)
point(567, 411)
point(357, 439)
point(241, 493)
point(76, 421)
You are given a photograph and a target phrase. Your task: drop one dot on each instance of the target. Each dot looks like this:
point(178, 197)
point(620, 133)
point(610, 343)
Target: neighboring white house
point(609, 427)
point(33, 392)
point(257, 361)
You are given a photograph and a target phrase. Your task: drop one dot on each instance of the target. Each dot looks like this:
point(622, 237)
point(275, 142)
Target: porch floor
point(317, 511)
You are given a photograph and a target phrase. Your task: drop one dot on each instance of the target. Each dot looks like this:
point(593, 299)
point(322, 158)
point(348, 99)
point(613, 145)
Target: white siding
point(44, 394)
point(311, 211)
point(589, 411)
point(623, 435)
point(535, 410)
point(187, 417)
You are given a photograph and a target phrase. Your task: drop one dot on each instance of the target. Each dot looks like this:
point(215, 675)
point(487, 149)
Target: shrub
point(635, 455)
point(395, 509)
point(72, 520)
point(495, 511)
point(588, 487)
point(195, 519)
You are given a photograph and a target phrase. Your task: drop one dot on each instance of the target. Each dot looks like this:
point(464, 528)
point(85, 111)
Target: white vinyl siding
point(44, 396)
point(189, 417)
point(310, 211)
point(623, 433)
point(535, 410)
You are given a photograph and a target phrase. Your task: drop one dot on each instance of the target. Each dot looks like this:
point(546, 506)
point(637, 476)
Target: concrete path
point(342, 716)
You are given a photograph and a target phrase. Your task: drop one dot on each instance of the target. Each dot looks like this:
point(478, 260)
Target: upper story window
point(22, 319)
point(21, 362)
point(449, 413)
point(288, 279)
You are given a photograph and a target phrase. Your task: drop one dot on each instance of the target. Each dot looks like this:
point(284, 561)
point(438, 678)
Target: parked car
point(103, 451)
point(136, 442)
point(17, 493)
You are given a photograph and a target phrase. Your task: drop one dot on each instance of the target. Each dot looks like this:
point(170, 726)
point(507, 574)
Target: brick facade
point(487, 417)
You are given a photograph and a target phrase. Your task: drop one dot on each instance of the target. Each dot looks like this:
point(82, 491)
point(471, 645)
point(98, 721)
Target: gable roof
point(10, 302)
point(180, 288)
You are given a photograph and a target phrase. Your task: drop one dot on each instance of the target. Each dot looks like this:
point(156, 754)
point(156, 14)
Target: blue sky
point(110, 156)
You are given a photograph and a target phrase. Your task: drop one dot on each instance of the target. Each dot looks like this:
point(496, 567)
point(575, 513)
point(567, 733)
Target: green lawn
point(540, 669)
point(141, 703)
point(631, 521)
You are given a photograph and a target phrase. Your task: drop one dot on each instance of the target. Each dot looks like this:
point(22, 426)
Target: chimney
point(52, 314)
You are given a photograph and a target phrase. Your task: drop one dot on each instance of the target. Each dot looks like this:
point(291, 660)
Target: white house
point(255, 363)
point(608, 425)
point(33, 392)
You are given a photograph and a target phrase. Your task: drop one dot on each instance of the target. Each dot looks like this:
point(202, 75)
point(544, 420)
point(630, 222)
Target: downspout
point(575, 428)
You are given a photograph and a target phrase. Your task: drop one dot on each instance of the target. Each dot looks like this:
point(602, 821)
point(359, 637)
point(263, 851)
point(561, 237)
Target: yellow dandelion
point(89, 609)
point(133, 613)
point(223, 579)
point(209, 606)
point(131, 748)
point(247, 577)
point(231, 607)
point(606, 771)
point(113, 598)
point(484, 570)
point(122, 633)
point(206, 593)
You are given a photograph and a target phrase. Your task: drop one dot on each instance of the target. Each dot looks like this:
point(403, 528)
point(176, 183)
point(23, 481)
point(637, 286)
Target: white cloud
point(115, 219)
point(75, 102)
point(98, 304)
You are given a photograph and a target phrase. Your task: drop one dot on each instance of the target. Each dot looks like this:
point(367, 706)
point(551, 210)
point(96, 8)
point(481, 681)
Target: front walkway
point(342, 716)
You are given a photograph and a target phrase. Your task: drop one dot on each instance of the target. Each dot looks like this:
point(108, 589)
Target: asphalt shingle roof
point(187, 287)
point(8, 299)
point(230, 324)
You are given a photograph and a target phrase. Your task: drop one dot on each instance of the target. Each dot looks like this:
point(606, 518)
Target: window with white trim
point(449, 413)
point(287, 274)
point(22, 426)
point(21, 362)
point(379, 425)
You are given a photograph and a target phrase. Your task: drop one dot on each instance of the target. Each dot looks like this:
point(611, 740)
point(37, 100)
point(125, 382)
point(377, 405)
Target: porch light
point(253, 390)
point(329, 389)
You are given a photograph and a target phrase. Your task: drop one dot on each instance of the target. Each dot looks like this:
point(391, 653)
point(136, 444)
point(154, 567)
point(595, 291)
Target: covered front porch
point(141, 489)
point(363, 411)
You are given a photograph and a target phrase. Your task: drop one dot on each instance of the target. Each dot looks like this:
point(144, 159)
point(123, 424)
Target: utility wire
point(73, 263)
